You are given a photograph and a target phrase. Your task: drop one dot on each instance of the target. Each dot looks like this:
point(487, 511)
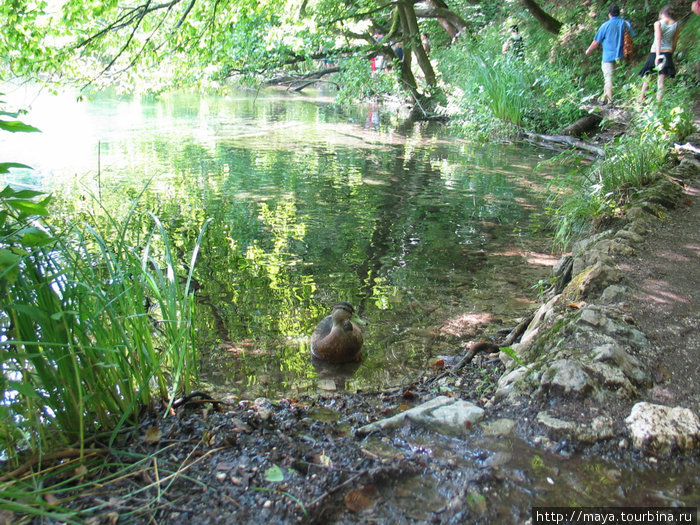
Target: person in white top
point(661, 55)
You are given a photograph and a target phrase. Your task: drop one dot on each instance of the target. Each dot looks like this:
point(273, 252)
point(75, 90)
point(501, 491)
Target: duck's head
point(342, 311)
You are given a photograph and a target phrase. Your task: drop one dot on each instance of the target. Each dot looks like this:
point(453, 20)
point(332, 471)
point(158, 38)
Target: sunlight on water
point(429, 237)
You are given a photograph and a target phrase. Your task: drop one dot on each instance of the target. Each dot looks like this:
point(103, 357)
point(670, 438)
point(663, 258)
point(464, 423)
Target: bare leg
point(645, 88)
point(607, 91)
point(660, 87)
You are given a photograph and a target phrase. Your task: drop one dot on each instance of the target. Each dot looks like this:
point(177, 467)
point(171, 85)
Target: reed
point(504, 86)
point(91, 327)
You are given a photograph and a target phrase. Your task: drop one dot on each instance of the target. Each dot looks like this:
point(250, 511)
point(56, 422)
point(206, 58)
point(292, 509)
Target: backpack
point(627, 44)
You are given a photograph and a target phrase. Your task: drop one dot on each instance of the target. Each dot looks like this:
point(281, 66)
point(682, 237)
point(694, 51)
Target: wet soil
point(298, 461)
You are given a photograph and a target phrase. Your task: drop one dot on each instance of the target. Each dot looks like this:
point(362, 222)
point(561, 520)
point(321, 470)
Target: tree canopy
point(160, 44)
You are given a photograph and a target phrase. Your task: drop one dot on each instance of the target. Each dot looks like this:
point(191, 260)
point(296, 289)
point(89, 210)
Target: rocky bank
point(587, 361)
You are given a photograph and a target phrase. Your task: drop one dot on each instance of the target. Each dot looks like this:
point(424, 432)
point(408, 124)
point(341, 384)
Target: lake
point(436, 241)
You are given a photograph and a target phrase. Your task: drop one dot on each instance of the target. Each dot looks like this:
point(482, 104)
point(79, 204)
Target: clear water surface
point(436, 241)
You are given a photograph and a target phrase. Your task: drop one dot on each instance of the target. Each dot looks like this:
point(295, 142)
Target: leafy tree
point(154, 45)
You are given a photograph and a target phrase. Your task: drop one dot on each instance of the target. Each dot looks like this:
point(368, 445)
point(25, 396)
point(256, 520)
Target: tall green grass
point(504, 85)
point(604, 190)
point(92, 328)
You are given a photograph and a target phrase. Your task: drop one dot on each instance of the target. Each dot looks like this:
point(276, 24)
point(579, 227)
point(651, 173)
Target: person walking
point(611, 36)
point(514, 43)
point(662, 49)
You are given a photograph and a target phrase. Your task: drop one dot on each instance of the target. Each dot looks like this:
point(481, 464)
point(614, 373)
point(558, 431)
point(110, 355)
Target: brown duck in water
point(337, 339)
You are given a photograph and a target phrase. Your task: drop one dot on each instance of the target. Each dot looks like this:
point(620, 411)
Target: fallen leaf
point(357, 500)
point(438, 363)
point(409, 395)
point(274, 474)
point(323, 460)
point(153, 435)
point(477, 502)
point(577, 305)
point(208, 438)
point(404, 407)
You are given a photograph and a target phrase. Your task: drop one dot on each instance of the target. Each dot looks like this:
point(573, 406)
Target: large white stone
point(443, 414)
point(661, 429)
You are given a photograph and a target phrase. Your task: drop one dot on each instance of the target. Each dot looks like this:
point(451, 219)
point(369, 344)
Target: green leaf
point(9, 268)
point(28, 207)
point(24, 388)
point(511, 353)
point(7, 191)
point(5, 166)
point(35, 237)
point(274, 474)
point(27, 194)
point(14, 126)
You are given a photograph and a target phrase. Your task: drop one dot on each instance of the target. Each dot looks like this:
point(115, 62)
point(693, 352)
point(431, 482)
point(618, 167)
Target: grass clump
point(604, 190)
point(92, 329)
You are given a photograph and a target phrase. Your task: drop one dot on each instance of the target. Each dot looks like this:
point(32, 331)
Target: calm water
point(431, 238)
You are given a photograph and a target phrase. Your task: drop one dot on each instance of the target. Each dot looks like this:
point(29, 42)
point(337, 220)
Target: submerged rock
point(660, 429)
point(498, 427)
point(442, 414)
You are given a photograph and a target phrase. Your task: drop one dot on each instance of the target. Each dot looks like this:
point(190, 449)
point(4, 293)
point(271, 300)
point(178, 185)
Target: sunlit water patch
point(431, 238)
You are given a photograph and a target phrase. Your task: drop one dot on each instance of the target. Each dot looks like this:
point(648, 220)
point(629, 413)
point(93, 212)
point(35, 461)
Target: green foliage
point(93, 328)
point(494, 93)
point(504, 86)
point(605, 189)
point(359, 82)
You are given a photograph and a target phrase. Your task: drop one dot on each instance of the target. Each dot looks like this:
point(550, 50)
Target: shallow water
point(430, 237)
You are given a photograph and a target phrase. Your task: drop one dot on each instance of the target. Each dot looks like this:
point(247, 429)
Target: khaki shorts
point(608, 71)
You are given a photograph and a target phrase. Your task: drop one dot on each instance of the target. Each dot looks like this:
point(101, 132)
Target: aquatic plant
point(92, 328)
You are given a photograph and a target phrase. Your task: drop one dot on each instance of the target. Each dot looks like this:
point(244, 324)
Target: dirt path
point(665, 278)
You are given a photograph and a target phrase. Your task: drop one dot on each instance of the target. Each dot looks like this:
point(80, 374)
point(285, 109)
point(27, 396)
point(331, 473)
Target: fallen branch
point(518, 330)
point(568, 141)
point(585, 124)
point(198, 397)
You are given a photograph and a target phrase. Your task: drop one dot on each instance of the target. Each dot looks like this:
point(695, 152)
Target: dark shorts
point(649, 66)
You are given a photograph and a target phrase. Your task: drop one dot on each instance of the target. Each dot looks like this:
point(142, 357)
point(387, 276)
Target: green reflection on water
point(427, 237)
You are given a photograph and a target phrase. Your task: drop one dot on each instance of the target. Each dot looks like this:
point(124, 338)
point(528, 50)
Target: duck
point(337, 339)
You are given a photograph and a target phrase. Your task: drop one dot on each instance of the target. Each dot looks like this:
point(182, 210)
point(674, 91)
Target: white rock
point(661, 429)
point(498, 427)
point(543, 313)
point(567, 376)
point(443, 414)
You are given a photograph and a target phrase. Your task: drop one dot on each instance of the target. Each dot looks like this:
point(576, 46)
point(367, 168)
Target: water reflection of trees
point(295, 230)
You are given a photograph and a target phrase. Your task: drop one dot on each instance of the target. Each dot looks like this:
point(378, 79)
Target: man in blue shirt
point(611, 35)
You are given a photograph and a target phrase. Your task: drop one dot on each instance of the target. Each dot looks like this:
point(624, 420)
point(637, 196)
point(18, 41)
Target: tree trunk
point(413, 40)
point(406, 71)
point(448, 19)
point(546, 20)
